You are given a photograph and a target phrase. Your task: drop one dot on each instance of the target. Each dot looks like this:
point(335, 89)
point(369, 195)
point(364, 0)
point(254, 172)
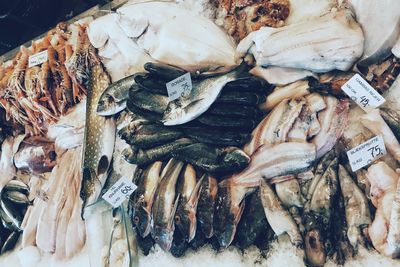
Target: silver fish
point(203, 95)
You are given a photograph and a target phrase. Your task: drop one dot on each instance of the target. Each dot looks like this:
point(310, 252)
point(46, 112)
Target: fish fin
point(194, 199)
point(239, 214)
point(172, 215)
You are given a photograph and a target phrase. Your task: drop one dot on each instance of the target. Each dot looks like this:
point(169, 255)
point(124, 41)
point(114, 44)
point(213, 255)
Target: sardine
point(217, 137)
point(213, 159)
point(113, 99)
point(149, 101)
point(146, 136)
point(165, 205)
point(206, 204)
point(98, 141)
point(229, 122)
point(164, 71)
point(151, 83)
point(140, 203)
point(142, 157)
point(203, 95)
point(188, 189)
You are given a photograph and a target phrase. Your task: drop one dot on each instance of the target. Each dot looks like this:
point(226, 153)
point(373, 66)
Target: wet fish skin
point(240, 98)
point(16, 185)
point(229, 122)
point(233, 110)
point(206, 204)
point(151, 135)
point(148, 101)
point(113, 99)
point(148, 115)
point(99, 139)
point(151, 83)
point(212, 159)
point(165, 205)
point(142, 157)
point(10, 242)
point(249, 84)
point(164, 71)
point(11, 214)
point(185, 217)
point(16, 197)
point(145, 243)
point(217, 137)
point(392, 118)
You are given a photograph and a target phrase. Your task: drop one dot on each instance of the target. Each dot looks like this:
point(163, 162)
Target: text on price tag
point(362, 93)
point(119, 192)
point(179, 87)
point(366, 153)
point(37, 59)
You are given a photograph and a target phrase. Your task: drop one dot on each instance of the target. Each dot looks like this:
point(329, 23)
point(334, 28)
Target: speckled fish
point(141, 202)
point(203, 95)
point(165, 205)
point(98, 140)
point(188, 189)
point(206, 204)
point(113, 99)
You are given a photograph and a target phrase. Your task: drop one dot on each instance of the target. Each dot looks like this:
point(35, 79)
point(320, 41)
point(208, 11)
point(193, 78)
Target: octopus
point(242, 17)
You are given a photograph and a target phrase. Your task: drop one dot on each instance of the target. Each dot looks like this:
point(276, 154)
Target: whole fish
point(217, 137)
point(165, 205)
point(241, 98)
point(163, 71)
point(151, 83)
point(142, 157)
point(113, 99)
point(206, 204)
point(141, 202)
point(98, 140)
point(233, 110)
point(203, 94)
point(392, 118)
point(213, 159)
point(146, 136)
point(188, 189)
point(225, 121)
point(148, 115)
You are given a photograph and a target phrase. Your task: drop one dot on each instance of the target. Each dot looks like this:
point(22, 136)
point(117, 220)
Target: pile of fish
point(35, 96)
point(14, 202)
point(205, 128)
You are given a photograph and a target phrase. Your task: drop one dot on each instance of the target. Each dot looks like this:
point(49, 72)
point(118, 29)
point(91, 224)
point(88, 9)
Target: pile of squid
point(36, 96)
point(206, 128)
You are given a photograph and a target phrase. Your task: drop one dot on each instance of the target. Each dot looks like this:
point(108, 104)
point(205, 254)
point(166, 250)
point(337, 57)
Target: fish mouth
point(109, 106)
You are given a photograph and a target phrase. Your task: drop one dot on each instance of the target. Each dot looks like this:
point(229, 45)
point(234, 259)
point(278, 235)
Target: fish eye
point(177, 219)
point(156, 238)
point(136, 219)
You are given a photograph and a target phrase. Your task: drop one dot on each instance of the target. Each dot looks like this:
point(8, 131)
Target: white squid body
point(332, 41)
point(382, 31)
point(167, 33)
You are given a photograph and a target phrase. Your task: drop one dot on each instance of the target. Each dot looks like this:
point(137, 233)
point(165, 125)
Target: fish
point(240, 98)
point(165, 205)
point(99, 139)
point(188, 190)
point(16, 197)
point(233, 110)
point(150, 102)
point(206, 204)
point(17, 185)
point(143, 157)
point(141, 202)
point(277, 216)
point(113, 99)
point(151, 83)
point(214, 160)
point(11, 214)
point(250, 84)
point(164, 71)
point(145, 243)
point(145, 114)
point(10, 242)
point(179, 245)
point(392, 119)
point(151, 135)
point(203, 94)
point(217, 137)
point(228, 122)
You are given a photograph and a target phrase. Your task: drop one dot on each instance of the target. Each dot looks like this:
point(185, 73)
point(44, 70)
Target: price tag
point(180, 86)
point(366, 153)
point(362, 93)
point(119, 192)
point(37, 59)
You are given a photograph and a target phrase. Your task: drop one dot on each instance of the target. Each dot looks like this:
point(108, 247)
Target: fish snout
point(106, 105)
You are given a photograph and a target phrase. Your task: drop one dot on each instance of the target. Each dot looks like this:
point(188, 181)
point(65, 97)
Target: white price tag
point(179, 87)
point(366, 153)
point(362, 93)
point(119, 192)
point(37, 59)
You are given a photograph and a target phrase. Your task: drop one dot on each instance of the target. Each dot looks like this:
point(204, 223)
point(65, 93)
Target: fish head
point(142, 221)
point(108, 105)
point(163, 236)
point(185, 221)
point(236, 157)
point(314, 248)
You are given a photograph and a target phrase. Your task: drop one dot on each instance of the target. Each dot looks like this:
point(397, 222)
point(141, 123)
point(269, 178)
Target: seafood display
point(172, 127)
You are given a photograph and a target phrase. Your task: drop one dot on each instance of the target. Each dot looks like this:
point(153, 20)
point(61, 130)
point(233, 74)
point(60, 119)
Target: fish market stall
point(204, 133)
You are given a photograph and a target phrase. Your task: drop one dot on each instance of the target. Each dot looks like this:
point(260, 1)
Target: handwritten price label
point(362, 93)
point(37, 59)
point(366, 153)
point(119, 192)
point(180, 86)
